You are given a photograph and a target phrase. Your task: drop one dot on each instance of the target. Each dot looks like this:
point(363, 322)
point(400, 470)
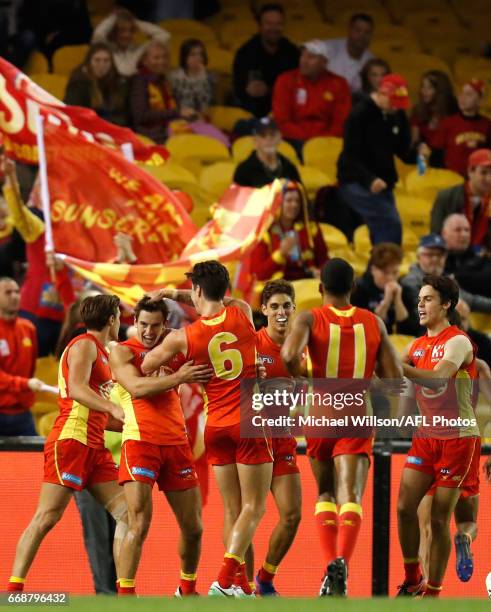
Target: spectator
point(293, 247)
point(371, 76)
point(261, 60)
point(436, 101)
point(471, 271)
point(18, 352)
point(482, 341)
point(471, 199)
point(375, 131)
point(347, 56)
point(466, 130)
point(192, 85)
point(430, 259)
point(265, 163)
point(309, 100)
point(118, 31)
point(12, 248)
point(96, 84)
point(151, 100)
point(378, 290)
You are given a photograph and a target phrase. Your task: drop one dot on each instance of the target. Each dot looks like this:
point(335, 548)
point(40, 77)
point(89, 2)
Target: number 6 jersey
point(227, 342)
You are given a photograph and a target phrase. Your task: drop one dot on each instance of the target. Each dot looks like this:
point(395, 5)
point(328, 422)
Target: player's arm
point(174, 342)
point(484, 374)
point(295, 342)
point(81, 357)
point(388, 362)
point(127, 375)
point(457, 352)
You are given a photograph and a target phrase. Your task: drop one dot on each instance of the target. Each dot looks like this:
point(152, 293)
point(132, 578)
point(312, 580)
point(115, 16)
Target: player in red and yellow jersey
point(225, 338)
point(344, 342)
point(156, 447)
point(74, 454)
point(443, 456)
point(278, 305)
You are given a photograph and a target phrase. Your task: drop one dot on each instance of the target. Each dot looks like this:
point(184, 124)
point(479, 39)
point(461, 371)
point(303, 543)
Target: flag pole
point(45, 199)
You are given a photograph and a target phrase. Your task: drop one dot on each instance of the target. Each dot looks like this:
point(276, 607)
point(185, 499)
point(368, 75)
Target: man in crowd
point(309, 100)
point(467, 130)
point(347, 56)
point(375, 131)
point(260, 61)
point(471, 271)
point(265, 163)
point(18, 353)
point(471, 199)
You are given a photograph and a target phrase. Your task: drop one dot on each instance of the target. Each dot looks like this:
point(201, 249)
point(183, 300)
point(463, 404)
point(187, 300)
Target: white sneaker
point(217, 591)
point(178, 592)
point(239, 593)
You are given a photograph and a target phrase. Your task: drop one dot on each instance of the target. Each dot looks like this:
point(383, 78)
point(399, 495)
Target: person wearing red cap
point(375, 131)
point(471, 198)
point(465, 131)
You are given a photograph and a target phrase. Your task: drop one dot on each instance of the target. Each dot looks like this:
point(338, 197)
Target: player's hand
point(390, 386)
point(287, 244)
point(117, 413)
point(389, 291)
point(156, 296)
point(486, 468)
point(7, 166)
point(189, 373)
point(378, 185)
point(261, 370)
point(35, 384)
point(424, 149)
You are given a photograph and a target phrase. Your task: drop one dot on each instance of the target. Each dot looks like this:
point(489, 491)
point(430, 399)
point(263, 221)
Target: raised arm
point(457, 352)
point(81, 357)
point(296, 341)
point(175, 342)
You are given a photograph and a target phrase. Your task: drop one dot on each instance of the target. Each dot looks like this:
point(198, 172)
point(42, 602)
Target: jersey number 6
point(227, 363)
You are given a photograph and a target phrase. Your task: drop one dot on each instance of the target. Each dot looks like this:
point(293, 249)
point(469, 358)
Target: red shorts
point(324, 449)
point(171, 467)
point(285, 456)
point(224, 445)
point(453, 463)
point(73, 464)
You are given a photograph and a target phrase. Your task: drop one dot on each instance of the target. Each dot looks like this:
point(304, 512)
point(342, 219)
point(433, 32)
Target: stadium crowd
point(390, 171)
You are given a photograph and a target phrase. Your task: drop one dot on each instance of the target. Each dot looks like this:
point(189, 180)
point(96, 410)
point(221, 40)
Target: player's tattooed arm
point(295, 343)
point(81, 357)
point(174, 342)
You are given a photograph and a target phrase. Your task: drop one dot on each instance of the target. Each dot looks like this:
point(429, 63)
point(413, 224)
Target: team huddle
point(134, 388)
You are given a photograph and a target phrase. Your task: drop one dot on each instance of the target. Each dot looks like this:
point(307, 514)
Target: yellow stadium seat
point(207, 149)
point(434, 180)
point(313, 179)
point(45, 423)
point(400, 342)
point(47, 371)
point(243, 147)
point(363, 245)
point(225, 117)
point(307, 293)
point(234, 33)
point(414, 212)
point(323, 152)
point(235, 12)
point(403, 170)
point(481, 321)
point(65, 59)
point(417, 63)
point(379, 15)
point(171, 174)
point(286, 149)
point(390, 31)
point(300, 31)
point(466, 68)
point(189, 28)
point(303, 14)
point(217, 178)
point(37, 63)
point(55, 84)
point(336, 242)
point(385, 48)
point(400, 8)
point(220, 60)
point(40, 408)
point(145, 139)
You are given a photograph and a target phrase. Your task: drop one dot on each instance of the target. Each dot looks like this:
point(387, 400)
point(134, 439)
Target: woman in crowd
point(371, 76)
point(152, 102)
point(293, 247)
point(119, 31)
point(96, 84)
point(436, 101)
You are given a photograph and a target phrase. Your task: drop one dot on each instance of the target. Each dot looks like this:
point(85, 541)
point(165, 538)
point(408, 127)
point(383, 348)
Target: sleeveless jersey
point(157, 419)
point(269, 353)
point(226, 342)
point(75, 420)
point(455, 399)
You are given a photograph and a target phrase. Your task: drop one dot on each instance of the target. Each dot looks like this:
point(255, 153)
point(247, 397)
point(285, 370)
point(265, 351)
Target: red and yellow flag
point(240, 218)
point(96, 193)
point(20, 99)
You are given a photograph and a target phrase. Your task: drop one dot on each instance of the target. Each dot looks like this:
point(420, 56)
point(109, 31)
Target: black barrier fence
point(382, 453)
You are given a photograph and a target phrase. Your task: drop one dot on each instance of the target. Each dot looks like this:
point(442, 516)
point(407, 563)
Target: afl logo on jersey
point(418, 353)
point(266, 359)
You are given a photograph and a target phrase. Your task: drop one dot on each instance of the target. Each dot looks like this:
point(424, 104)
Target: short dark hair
point(96, 310)
point(267, 8)
point(186, 48)
point(386, 254)
point(145, 304)
point(365, 71)
point(212, 277)
point(277, 286)
point(337, 276)
point(446, 287)
point(361, 17)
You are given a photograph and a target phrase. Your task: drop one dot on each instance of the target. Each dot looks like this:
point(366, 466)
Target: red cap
point(477, 85)
point(394, 86)
point(481, 157)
